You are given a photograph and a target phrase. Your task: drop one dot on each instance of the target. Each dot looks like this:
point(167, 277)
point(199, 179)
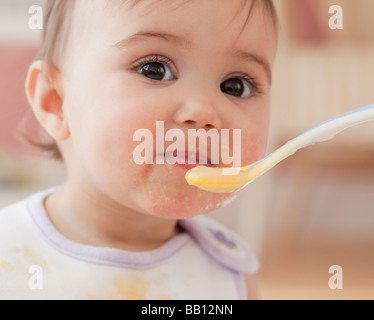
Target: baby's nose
point(201, 113)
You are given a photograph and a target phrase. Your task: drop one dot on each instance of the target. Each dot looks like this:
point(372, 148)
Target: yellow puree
point(222, 179)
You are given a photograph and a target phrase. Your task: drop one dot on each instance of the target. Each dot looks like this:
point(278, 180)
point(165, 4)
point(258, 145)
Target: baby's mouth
point(188, 160)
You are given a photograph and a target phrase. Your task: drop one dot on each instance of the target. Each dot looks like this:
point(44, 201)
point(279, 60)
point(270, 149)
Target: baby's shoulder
point(222, 244)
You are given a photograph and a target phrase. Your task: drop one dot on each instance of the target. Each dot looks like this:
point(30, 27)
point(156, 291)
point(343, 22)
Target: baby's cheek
point(108, 155)
point(116, 139)
point(253, 147)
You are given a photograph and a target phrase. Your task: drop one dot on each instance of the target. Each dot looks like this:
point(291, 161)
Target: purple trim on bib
point(241, 286)
point(100, 255)
point(222, 244)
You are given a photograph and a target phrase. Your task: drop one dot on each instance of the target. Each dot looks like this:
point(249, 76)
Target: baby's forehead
point(109, 19)
point(109, 8)
point(122, 6)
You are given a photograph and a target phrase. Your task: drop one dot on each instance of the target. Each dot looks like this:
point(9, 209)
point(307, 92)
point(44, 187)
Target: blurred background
point(315, 209)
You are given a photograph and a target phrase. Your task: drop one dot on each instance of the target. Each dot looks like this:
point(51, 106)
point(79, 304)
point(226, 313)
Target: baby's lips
point(199, 157)
point(189, 158)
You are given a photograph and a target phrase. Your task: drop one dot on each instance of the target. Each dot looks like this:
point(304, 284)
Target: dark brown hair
point(58, 16)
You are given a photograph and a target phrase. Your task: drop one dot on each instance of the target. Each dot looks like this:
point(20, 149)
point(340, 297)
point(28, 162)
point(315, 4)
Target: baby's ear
point(46, 100)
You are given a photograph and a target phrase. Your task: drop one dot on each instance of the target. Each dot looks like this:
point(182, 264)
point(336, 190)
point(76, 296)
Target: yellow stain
point(33, 258)
point(133, 287)
point(15, 250)
point(6, 266)
point(29, 256)
point(130, 288)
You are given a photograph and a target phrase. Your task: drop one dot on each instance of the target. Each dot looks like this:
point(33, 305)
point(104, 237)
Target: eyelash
point(257, 89)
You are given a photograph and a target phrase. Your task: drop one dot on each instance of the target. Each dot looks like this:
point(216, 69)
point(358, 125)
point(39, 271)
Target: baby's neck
point(78, 217)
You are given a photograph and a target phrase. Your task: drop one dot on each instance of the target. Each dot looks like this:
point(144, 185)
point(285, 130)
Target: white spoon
point(234, 179)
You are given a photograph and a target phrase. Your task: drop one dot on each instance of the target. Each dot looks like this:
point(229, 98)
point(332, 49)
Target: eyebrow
point(172, 38)
point(257, 59)
point(187, 42)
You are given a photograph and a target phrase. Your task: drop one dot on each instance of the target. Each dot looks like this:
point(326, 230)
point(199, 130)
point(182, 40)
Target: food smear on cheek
point(176, 199)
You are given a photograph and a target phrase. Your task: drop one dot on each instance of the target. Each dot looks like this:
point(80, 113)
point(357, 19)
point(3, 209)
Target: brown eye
point(156, 71)
point(236, 87)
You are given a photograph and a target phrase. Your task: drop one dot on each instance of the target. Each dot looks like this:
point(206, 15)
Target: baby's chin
point(183, 201)
point(166, 194)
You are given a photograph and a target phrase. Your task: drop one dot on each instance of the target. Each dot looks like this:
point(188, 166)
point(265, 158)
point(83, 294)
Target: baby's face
point(115, 83)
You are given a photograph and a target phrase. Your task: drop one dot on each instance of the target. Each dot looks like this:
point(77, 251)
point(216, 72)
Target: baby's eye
point(237, 87)
point(154, 69)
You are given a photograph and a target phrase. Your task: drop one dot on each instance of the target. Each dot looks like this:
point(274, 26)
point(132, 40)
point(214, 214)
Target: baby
point(116, 229)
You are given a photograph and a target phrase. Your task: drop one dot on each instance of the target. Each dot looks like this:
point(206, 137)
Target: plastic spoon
point(224, 180)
